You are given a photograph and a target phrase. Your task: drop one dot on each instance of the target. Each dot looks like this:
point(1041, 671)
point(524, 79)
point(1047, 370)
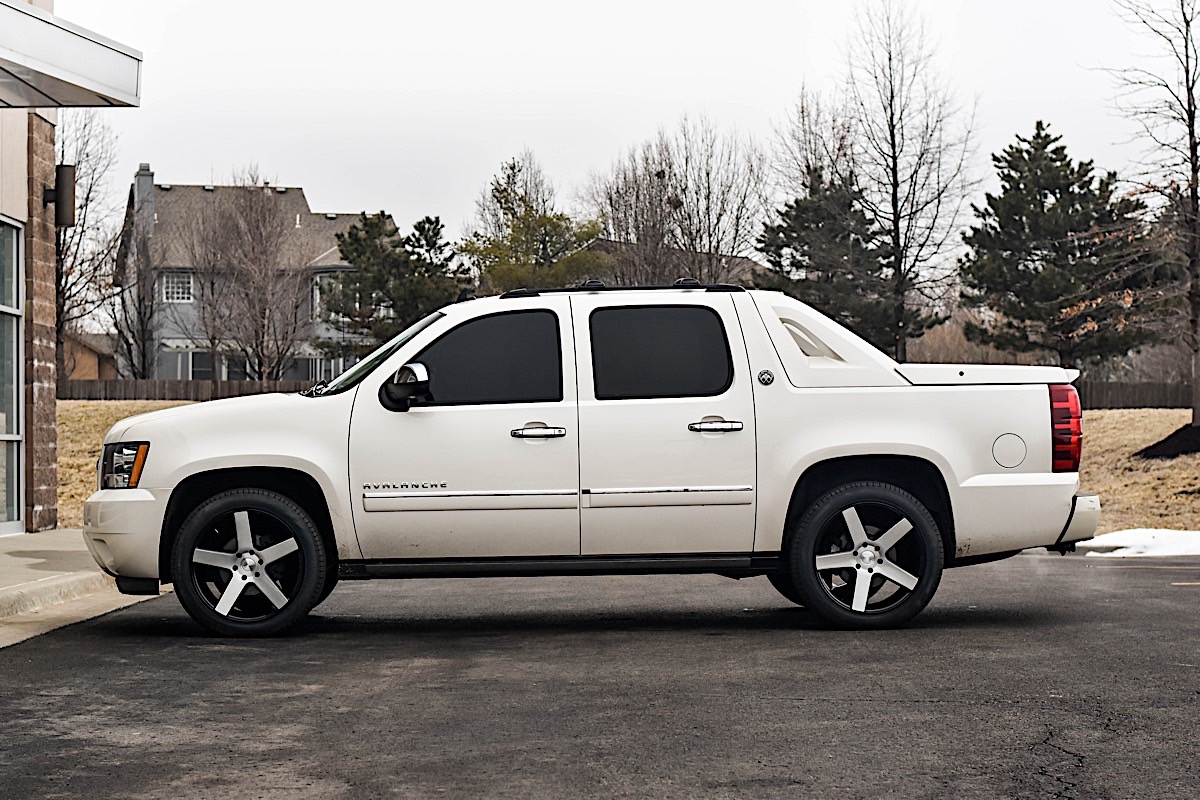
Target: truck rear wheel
point(248, 562)
point(866, 555)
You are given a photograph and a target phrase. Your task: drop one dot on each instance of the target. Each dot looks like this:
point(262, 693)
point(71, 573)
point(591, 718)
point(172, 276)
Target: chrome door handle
point(715, 427)
point(538, 433)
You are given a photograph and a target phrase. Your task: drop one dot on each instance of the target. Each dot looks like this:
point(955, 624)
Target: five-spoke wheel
point(248, 562)
point(866, 555)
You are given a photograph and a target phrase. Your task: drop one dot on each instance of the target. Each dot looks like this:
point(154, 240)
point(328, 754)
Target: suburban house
point(89, 356)
point(46, 63)
point(174, 250)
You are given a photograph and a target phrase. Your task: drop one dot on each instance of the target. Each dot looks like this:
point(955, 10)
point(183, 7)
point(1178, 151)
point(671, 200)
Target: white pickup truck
point(599, 431)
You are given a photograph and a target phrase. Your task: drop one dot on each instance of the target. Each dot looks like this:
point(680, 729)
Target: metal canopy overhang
point(46, 62)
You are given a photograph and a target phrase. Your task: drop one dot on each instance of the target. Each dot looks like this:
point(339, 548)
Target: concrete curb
point(52, 590)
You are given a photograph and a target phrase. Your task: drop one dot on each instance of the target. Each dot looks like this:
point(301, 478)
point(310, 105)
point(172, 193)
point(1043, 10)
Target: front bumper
point(122, 528)
point(1084, 518)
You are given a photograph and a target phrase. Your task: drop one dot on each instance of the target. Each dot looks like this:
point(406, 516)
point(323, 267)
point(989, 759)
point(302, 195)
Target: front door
point(666, 420)
point(489, 465)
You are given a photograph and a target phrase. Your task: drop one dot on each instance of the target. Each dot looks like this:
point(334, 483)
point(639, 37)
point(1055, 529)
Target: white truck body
point(625, 477)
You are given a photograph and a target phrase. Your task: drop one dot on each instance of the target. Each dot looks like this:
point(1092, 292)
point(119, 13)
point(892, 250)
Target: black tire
point(782, 581)
point(260, 540)
point(331, 582)
point(878, 573)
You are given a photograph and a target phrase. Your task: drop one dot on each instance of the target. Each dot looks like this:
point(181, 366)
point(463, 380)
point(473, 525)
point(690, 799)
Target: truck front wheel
point(866, 555)
point(248, 562)
point(782, 581)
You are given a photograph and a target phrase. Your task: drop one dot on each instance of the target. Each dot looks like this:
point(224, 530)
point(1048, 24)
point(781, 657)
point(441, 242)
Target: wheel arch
point(294, 484)
point(917, 476)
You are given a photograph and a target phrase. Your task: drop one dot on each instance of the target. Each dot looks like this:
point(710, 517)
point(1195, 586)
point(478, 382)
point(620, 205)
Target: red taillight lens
point(1066, 427)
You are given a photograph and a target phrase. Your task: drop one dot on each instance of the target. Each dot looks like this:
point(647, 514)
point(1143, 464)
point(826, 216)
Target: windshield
point(352, 376)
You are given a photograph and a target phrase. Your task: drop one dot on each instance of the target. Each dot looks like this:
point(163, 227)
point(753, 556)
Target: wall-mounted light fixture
point(62, 194)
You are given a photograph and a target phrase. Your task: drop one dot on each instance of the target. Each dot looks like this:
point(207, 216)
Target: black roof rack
point(598, 286)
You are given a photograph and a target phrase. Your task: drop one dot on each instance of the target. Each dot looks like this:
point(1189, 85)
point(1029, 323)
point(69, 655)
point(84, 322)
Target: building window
point(202, 366)
point(326, 369)
point(177, 287)
point(235, 368)
point(11, 394)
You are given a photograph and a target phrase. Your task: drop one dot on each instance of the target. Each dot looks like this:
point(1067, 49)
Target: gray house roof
point(312, 235)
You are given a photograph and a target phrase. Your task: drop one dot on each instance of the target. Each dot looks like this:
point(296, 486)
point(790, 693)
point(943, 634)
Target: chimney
point(143, 197)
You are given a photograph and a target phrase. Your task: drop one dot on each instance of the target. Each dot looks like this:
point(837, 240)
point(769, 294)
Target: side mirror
point(411, 382)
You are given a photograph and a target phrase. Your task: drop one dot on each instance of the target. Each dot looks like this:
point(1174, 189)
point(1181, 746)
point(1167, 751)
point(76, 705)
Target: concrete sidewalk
point(48, 580)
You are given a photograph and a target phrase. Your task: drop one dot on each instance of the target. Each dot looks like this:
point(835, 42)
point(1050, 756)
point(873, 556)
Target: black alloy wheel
point(866, 555)
point(249, 562)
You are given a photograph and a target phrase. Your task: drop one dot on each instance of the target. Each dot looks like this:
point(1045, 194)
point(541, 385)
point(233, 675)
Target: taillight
point(1066, 427)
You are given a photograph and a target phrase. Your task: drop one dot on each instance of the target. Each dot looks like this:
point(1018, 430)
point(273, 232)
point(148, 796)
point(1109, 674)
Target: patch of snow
point(1143, 542)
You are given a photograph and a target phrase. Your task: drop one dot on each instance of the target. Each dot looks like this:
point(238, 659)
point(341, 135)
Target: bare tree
point(720, 181)
point(520, 178)
point(911, 153)
point(688, 202)
point(638, 203)
point(207, 240)
point(84, 254)
point(817, 136)
point(135, 308)
point(1164, 102)
point(271, 288)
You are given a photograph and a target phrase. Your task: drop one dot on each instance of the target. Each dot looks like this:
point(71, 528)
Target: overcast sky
point(411, 107)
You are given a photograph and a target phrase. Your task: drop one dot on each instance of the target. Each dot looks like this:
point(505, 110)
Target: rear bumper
point(1084, 518)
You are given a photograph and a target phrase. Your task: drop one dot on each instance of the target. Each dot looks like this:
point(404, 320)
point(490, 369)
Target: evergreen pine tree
point(822, 250)
point(397, 279)
point(1057, 259)
point(524, 242)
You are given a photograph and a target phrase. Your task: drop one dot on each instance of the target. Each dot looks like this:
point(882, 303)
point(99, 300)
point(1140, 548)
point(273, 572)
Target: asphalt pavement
point(1039, 676)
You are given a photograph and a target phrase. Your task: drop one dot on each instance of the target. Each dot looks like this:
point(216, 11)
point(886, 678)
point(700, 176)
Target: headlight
point(121, 465)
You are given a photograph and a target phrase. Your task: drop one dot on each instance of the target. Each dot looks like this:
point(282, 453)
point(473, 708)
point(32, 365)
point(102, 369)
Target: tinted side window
point(659, 351)
point(513, 357)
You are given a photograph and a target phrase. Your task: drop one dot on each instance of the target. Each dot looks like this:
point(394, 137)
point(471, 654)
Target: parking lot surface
point(1039, 676)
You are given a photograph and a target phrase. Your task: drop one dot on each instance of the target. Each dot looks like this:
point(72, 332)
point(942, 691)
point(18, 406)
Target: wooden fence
point(1094, 394)
point(172, 390)
point(1110, 394)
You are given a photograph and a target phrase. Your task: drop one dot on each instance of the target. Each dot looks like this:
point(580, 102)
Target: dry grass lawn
point(1136, 493)
point(81, 428)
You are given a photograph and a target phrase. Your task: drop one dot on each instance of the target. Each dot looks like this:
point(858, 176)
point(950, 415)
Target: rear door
point(666, 425)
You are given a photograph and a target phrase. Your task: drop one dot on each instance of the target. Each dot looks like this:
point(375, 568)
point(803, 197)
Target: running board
point(733, 565)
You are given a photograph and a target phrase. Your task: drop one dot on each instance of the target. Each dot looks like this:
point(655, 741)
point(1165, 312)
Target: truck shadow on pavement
point(584, 621)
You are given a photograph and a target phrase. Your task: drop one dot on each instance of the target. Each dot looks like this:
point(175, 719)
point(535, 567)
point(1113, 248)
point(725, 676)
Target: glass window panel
point(177, 287)
point(235, 368)
point(505, 358)
point(9, 244)
point(10, 390)
point(201, 366)
point(659, 351)
point(10, 482)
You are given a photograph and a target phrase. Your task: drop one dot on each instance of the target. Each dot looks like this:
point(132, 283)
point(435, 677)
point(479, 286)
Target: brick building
point(45, 64)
